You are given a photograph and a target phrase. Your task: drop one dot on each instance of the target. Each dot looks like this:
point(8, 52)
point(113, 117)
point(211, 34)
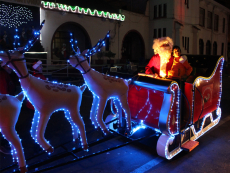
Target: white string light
point(14, 16)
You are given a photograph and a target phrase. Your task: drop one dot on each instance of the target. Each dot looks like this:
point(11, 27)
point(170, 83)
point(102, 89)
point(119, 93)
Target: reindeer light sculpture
point(103, 87)
point(10, 107)
point(46, 98)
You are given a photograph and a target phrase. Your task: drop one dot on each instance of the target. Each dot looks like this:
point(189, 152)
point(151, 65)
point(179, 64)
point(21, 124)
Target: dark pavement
point(212, 154)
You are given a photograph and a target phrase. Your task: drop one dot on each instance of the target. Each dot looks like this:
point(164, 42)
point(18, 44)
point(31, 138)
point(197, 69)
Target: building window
point(155, 12)
point(159, 33)
point(208, 48)
point(155, 33)
point(164, 32)
point(187, 48)
point(216, 22)
point(223, 25)
point(183, 41)
point(165, 10)
point(201, 47)
point(202, 17)
point(160, 11)
point(186, 2)
point(214, 48)
point(209, 21)
point(222, 49)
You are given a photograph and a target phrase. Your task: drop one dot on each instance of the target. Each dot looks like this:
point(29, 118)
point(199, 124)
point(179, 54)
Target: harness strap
point(22, 77)
point(79, 63)
point(12, 62)
point(87, 71)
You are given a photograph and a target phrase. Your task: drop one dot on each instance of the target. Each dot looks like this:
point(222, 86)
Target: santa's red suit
point(155, 64)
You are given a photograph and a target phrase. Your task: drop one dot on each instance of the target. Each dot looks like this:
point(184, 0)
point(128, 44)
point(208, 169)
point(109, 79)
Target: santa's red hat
point(36, 64)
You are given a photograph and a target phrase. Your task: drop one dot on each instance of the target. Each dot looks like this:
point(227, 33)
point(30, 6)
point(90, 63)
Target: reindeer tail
point(83, 87)
point(20, 96)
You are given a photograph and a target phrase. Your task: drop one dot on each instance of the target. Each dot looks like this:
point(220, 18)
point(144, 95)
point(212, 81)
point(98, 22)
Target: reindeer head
point(6, 56)
point(79, 61)
point(74, 60)
point(14, 58)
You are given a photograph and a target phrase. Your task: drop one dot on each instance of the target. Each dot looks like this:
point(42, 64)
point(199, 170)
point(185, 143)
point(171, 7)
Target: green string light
point(87, 11)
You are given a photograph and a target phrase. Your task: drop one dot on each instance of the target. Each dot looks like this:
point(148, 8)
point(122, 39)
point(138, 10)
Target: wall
point(210, 34)
point(95, 27)
point(161, 22)
point(183, 21)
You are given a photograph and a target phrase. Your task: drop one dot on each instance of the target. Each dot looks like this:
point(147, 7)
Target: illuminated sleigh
point(181, 111)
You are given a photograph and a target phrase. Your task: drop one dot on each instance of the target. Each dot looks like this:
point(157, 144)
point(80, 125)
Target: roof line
point(80, 10)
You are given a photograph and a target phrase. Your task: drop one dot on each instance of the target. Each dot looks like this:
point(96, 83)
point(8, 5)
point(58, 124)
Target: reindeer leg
point(100, 111)
point(73, 126)
point(35, 124)
point(44, 118)
point(76, 118)
point(125, 106)
point(13, 152)
point(119, 110)
point(93, 111)
point(12, 137)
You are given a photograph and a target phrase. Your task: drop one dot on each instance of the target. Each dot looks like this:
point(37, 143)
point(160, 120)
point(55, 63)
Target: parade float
point(178, 112)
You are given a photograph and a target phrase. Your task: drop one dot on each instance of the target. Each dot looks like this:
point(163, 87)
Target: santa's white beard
point(165, 55)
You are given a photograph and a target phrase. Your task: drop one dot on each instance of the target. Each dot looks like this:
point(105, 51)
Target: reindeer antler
point(98, 46)
point(33, 39)
point(94, 49)
point(72, 44)
point(16, 37)
point(31, 42)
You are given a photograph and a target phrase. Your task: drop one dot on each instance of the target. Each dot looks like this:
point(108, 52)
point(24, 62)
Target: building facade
point(88, 29)
point(197, 26)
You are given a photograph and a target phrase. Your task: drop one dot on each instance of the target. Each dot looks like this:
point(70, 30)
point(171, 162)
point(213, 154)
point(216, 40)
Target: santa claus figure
point(37, 70)
point(161, 62)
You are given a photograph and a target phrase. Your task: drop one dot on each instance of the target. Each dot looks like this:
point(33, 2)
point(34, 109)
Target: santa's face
point(163, 47)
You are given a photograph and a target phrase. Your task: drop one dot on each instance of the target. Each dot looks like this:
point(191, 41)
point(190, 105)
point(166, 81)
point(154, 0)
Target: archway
point(61, 47)
point(133, 48)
